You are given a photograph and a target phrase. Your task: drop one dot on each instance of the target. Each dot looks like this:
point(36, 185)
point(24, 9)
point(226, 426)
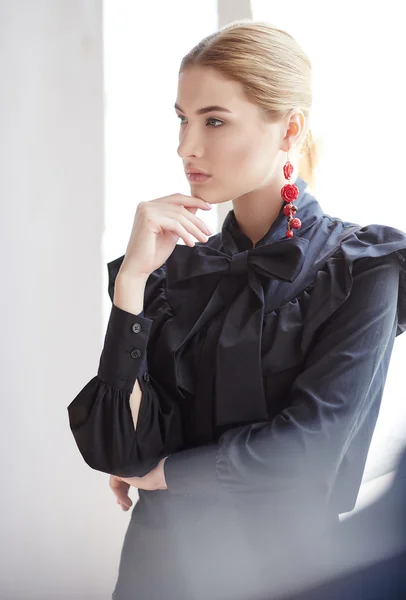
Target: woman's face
point(237, 147)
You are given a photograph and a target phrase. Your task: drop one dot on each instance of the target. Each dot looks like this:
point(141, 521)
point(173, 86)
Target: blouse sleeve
point(100, 416)
point(336, 394)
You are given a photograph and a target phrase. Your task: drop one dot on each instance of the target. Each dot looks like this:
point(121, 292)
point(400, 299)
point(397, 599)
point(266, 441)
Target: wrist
point(127, 278)
point(129, 293)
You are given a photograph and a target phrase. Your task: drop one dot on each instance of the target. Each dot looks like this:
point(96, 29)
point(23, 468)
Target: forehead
point(201, 86)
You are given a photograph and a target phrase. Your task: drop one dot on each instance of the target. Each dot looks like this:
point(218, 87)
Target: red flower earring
point(289, 193)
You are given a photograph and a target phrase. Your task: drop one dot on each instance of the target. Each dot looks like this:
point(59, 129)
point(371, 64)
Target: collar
point(309, 211)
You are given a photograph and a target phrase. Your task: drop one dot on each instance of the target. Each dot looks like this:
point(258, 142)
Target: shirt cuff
point(193, 471)
point(123, 357)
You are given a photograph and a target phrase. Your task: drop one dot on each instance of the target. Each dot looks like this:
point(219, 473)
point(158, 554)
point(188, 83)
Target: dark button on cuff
point(146, 376)
point(125, 349)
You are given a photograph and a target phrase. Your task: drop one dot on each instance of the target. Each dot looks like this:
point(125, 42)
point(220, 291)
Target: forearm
point(120, 429)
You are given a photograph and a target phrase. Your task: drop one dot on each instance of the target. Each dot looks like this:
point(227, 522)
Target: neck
point(256, 211)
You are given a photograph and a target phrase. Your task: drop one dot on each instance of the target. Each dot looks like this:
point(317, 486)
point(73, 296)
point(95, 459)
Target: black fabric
point(262, 371)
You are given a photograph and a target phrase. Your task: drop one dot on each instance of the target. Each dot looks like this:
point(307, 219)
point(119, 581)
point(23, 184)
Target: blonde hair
point(271, 66)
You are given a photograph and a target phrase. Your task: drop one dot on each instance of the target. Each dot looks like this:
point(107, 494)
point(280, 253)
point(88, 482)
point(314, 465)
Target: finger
point(198, 222)
point(122, 506)
point(120, 490)
point(191, 209)
point(124, 501)
point(174, 226)
point(186, 222)
point(192, 201)
point(176, 212)
point(194, 228)
point(124, 498)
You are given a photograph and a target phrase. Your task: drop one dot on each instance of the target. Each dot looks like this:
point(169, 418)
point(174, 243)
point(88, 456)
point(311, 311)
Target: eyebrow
point(202, 111)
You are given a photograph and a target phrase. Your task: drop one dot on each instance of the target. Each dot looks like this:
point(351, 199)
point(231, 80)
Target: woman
point(241, 377)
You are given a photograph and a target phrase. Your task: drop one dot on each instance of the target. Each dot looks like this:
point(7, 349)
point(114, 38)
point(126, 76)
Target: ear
point(293, 129)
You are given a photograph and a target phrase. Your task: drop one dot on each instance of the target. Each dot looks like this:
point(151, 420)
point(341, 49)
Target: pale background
point(87, 130)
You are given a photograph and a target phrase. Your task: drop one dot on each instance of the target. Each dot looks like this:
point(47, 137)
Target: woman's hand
point(154, 480)
point(158, 225)
point(120, 490)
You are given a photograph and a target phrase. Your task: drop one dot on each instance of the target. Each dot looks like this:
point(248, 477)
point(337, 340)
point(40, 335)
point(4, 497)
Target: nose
point(189, 144)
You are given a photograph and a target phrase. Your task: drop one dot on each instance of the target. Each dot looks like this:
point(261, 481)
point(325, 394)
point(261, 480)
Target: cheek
point(249, 163)
point(241, 162)
point(238, 173)
point(237, 153)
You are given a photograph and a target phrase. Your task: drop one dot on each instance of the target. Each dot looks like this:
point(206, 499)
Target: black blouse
point(261, 369)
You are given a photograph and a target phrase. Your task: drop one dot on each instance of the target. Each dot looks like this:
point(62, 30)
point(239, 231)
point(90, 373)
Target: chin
point(212, 196)
point(198, 192)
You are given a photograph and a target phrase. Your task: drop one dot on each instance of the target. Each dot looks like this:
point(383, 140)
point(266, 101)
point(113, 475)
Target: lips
point(195, 172)
point(198, 177)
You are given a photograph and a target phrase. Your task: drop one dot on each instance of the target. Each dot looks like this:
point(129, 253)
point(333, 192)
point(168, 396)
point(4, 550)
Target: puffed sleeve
point(100, 416)
point(333, 402)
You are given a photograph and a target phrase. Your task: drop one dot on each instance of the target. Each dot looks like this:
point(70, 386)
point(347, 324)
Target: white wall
point(61, 529)
point(61, 532)
point(144, 45)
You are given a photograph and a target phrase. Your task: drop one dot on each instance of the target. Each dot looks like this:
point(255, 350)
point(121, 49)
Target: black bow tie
point(281, 260)
point(237, 362)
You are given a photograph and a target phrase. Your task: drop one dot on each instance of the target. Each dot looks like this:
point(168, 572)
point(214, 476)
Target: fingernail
point(209, 205)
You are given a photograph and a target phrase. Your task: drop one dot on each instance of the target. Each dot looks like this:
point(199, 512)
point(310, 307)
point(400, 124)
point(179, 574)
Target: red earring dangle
point(289, 193)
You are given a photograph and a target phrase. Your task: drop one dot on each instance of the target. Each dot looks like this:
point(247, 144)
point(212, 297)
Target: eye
point(218, 121)
point(210, 119)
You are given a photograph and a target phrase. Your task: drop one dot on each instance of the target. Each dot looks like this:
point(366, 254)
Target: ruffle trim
point(299, 318)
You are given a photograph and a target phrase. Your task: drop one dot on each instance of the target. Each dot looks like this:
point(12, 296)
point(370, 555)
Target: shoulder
point(379, 252)
point(373, 259)
point(375, 241)
point(361, 261)
point(371, 245)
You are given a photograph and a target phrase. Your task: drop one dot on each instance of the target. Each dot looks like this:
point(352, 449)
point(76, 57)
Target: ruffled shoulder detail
point(377, 241)
point(300, 317)
point(333, 283)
